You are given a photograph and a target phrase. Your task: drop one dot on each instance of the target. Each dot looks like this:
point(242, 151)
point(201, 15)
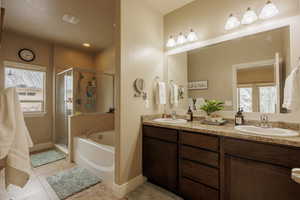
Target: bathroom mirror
point(247, 72)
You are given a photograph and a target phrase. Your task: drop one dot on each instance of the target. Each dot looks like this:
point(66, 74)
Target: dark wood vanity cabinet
point(160, 157)
point(259, 171)
point(206, 167)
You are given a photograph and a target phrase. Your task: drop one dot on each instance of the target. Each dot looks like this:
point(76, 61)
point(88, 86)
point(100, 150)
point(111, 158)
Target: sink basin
point(171, 121)
point(279, 132)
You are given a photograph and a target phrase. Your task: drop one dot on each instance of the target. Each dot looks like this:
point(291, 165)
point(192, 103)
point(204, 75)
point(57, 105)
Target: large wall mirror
point(247, 72)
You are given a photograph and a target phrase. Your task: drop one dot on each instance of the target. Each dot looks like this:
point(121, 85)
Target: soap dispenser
point(239, 118)
point(190, 114)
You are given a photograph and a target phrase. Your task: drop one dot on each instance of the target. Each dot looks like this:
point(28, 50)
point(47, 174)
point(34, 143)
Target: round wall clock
point(26, 55)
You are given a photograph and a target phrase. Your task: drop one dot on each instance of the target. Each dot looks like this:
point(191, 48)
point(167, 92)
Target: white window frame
point(16, 65)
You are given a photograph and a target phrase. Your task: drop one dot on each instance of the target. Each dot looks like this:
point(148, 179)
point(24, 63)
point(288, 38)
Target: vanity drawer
point(169, 135)
point(191, 190)
point(199, 155)
point(203, 174)
point(200, 140)
point(274, 154)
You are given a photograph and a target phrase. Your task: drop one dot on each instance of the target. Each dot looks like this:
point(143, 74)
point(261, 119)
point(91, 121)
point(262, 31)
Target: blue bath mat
point(46, 157)
point(72, 181)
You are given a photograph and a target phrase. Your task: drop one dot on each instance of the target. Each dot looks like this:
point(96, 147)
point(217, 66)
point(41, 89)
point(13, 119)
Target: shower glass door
point(64, 106)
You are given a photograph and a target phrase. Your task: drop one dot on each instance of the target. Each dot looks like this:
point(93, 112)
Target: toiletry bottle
point(239, 118)
point(190, 114)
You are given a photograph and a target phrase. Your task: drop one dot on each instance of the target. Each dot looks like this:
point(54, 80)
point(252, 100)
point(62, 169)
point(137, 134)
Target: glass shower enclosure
point(63, 106)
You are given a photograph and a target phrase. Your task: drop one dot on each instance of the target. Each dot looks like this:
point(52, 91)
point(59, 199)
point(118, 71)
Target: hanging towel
point(15, 140)
point(161, 93)
point(174, 94)
point(292, 91)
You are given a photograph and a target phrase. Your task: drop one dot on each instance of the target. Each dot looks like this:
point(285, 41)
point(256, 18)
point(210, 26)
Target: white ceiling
point(167, 6)
point(43, 19)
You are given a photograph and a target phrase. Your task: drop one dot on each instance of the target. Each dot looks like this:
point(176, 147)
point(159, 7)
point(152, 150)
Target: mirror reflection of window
point(245, 99)
point(267, 99)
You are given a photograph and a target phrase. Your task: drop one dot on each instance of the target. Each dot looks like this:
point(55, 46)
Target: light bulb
point(171, 42)
point(232, 22)
point(270, 10)
point(249, 17)
point(192, 36)
point(181, 39)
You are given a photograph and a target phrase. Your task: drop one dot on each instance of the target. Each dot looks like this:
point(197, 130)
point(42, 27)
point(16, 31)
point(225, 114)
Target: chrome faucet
point(173, 115)
point(264, 121)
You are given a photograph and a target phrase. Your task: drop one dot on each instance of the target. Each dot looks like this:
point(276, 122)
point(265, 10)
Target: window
point(245, 99)
point(257, 98)
point(267, 99)
point(30, 83)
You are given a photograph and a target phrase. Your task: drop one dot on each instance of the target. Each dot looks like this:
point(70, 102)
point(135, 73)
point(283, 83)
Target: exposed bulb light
point(232, 22)
point(270, 10)
point(86, 44)
point(171, 42)
point(181, 39)
point(192, 36)
point(249, 17)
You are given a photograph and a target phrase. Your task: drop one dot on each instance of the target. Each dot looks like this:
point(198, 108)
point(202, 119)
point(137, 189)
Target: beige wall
point(65, 58)
point(105, 60)
point(178, 73)
point(208, 17)
point(40, 128)
point(215, 63)
point(141, 57)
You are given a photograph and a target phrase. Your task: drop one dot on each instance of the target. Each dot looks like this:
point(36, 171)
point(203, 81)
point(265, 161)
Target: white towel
point(161, 93)
point(292, 91)
point(174, 94)
point(15, 140)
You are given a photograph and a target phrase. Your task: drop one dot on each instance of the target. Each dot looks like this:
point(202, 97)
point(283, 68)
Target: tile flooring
point(39, 189)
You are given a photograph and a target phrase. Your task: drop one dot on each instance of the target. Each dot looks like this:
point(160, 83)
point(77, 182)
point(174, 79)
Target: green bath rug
point(72, 181)
point(46, 157)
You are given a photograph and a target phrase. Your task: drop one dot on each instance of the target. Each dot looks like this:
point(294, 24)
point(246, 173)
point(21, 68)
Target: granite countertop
point(226, 131)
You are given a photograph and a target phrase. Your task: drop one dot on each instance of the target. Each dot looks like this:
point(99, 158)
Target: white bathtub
point(97, 153)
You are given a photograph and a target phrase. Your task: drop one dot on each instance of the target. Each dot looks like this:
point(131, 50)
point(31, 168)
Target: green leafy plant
point(212, 106)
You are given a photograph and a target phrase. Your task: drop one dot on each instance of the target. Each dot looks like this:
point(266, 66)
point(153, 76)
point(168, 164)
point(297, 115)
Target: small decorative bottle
point(190, 114)
point(239, 118)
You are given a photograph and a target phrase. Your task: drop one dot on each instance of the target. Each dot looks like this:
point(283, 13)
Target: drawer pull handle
point(296, 175)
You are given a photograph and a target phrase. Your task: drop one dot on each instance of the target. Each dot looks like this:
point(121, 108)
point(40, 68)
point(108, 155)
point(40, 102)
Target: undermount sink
point(279, 132)
point(171, 121)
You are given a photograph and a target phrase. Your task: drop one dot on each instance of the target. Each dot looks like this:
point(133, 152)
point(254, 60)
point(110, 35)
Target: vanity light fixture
point(249, 17)
point(270, 10)
point(86, 44)
point(232, 22)
point(181, 39)
point(171, 42)
point(192, 36)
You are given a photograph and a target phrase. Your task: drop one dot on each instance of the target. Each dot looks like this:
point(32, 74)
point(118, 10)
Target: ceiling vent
point(70, 19)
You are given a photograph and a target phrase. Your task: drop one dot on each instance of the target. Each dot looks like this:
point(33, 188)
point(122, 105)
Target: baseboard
point(41, 146)
point(121, 190)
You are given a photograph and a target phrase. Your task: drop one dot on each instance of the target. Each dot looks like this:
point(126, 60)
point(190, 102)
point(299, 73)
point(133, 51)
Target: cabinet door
point(160, 164)
point(252, 180)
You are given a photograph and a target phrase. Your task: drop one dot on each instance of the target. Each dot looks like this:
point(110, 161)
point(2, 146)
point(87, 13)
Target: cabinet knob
point(296, 175)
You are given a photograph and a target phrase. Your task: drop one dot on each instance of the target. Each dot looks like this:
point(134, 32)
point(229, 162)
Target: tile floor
point(39, 189)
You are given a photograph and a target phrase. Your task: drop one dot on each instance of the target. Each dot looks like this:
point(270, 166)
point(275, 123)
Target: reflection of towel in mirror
point(15, 140)
point(161, 93)
point(174, 94)
point(292, 91)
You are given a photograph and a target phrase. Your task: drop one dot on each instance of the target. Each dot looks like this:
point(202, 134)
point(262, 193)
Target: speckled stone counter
point(226, 131)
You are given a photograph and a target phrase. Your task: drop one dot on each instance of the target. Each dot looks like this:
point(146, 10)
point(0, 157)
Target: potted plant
point(211, 106)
